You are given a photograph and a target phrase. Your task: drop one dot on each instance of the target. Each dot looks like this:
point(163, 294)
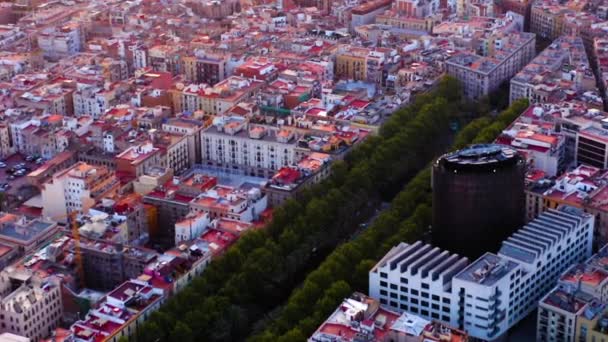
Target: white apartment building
point(9, 34)
point(33, 309)
point(232, 143)
point(215, 100)
point(502, 289)
point(93, 101)
point(17, 129)
point(140, 57)
point(42, 135)
point(192, 130)
point(77, 188)
point(191, 227)
point(177, 150)
point(58, 42)
point(481, 75)
point(496, 291)
point(6, 147)
point(544, 149)
point(238, 204)
point(417, 278)
point(139, 159)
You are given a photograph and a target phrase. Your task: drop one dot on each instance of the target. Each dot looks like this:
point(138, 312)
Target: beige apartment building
point(5, 141)
point(214, 100)
point(480, 75)
point(232, 143)
point(77, 188)
point(30, 306)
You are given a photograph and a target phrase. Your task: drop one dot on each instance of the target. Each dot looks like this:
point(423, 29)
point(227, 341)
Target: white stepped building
point(496, 291)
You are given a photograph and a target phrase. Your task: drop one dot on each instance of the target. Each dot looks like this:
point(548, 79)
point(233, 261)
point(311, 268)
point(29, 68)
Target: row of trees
point(260, 271)
point(346, 269)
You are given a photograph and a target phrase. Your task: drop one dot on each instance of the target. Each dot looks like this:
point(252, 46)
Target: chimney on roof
point(152, 134)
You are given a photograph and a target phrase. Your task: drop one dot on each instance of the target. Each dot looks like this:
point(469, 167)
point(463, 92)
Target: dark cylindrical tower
point(478, 198)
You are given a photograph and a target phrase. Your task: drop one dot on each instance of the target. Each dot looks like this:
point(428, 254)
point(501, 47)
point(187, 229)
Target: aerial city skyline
point(304, 170)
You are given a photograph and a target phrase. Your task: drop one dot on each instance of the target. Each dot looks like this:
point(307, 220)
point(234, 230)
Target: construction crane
point(77, 252)
point(75, 232)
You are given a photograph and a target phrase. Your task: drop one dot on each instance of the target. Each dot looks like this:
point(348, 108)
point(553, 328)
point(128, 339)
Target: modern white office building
point(417, 278)
point(490, 295)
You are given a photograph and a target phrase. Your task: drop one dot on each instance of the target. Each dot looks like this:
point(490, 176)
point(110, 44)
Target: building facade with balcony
point(575, 310)
point(30, 306)
point(77, 188)
point(480, 75)
point(233, 143)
